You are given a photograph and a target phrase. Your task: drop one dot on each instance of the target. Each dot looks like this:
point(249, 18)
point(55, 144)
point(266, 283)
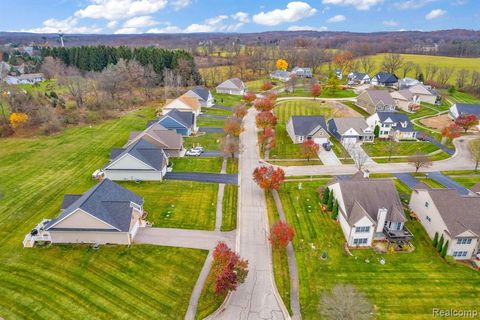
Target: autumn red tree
point(267, 85)
point(343, 61)
point(240, 111)
point(452, 131)
point(249, 97)
point(265, 119)
point(315, 90)
point(268, 178)
point(466, 121)
point(267, 139)
point(263, 104)
point(309, 148)
point(281, 233)
point(272, 96)
point(233, 126)
point(229, 269)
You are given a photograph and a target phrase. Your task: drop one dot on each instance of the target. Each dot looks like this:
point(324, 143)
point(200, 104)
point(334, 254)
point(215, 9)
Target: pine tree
point(440, 244)
point(376, 131)
point(435, 240)
point(335, 210)
point(444, 250)
point(330, 201)
point(326, 195)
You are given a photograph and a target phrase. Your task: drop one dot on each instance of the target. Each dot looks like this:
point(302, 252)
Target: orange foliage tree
point(281, 234)
point(265, 119)
point(269, 178)
point(228, 268)
point(309, 149)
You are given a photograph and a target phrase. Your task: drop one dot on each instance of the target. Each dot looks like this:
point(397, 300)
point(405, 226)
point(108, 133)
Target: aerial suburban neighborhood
point(218, 160)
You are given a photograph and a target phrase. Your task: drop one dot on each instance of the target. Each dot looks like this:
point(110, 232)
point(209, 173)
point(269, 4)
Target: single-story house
point(355, 77)
point(405, 99)
point(384, 79)
point(203, 95)
point(232, 86)
point(106, 214)
point(392, 124)
point(350, 130)
point(141, 160)
point(373, 100)
point(182, 122)
point(301, 128)
point(168, 140)
point(425, 93)
point(369, 209)
point(459, 109)
point(281, 75)
point(27, 78)
point(302, 72)
point(406, 83)
point(456, 217)
point(183, 103)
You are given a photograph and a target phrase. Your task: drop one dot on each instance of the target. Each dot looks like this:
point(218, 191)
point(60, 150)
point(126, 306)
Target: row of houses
point(283, 75)
point(371, 210)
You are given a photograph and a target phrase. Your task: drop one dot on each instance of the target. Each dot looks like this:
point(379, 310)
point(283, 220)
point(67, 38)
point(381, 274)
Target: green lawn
point(209, 141)
point(196, 164)
point(229, 207)
point(228, 100)
point(466, 181)
point(326, 93)
point(408, 286)
point(210, 122)
point(60, 282)
point(232, 165)
point(403, 148)
point(216, 111)
point(462, 97)
point(209, 301)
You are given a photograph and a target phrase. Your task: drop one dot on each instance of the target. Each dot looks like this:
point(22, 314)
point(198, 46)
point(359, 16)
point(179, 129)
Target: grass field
point(209, 141)
point(59, 282)
point(404, 148)
point(228, 100)
point(210, 122)
point(408, 286)
point(326, 93)
point(209, 301)
point(197, 164)
point(229, 207)
point(461, 97)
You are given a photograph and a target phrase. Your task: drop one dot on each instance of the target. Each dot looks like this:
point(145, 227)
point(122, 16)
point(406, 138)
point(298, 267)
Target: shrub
point(435, 240)
point(444, 250)
point(440, 244)
point(51, 127)
point(335, 210)
point(326, 195)
point(330, 201)
point(92, 117)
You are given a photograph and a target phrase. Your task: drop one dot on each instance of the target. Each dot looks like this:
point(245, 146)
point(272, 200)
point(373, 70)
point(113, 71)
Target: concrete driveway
point(210, 130)
point(358, 154)
point(328, 157)
point(219, 106)
point(195, 239)
point(203, 177)
point(212, 116)
point(212, 154)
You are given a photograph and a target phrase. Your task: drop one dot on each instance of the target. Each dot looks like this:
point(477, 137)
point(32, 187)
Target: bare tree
point(430, 71)
point(367, 63)
point(418, 70)
point(345, 302)
point(113, 79)
point(230, 145)
point(444, 75)
point(149, 81)
point(474, 146)
point(475, 79)
point(407, 67)
point(76, 84)
point(314, 57)
point(462, 76)
point(392, 147)
point(392, 62)
point(134, 74)
point(420, 160)
point(359, 156)
point(52, 67)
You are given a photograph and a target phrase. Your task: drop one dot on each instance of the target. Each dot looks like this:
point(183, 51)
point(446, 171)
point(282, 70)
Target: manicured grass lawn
point(432, 183)
point(403, 148)
point(60, 282)
point(408, 286)
point(305, 162)
point(210, 122)
point(209, 141)
point(466, 181)
point(228, 100)
point(232, 165)
point(216, 111)
point(196, 164)
point(209, 301)
point(229, 207)
point(326, 93)
point(256, 85)
point(461, 97)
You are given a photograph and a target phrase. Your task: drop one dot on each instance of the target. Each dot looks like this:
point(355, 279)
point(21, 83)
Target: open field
point(408, 286)
point(59, 282)
point(197, 164)
point(223, 99)
point(326, 93)
point(462, 97)
point(210, 122)
point(209, 141)
point(404, 148)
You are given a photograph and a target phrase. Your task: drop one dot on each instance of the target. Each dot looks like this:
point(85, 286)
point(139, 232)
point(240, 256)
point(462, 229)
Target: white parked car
point(193, 152)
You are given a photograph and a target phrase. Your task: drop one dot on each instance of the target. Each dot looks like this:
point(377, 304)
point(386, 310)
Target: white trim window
point(360, 241)
point(459, 254)
point(464, 240)
point(365, 229)
point(427, 217)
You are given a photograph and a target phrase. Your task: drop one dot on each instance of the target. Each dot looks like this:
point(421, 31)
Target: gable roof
point(404, 94)
point(107, 201)
point(168, 138)
point(476, 187)
point(189, 101)
point(143, 151)
point(186, 119)
point(380, 96)
point(344, 124)
point(280, 73)
point(408, 82)
point(386, 77)
point(468, 108)
point(460, 213)
point(202, 92)
point(307, 125)
point(357, 75)
point(398, 118)
point(234, 83)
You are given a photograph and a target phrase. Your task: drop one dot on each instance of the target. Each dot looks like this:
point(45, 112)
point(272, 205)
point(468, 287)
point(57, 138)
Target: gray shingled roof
point(358, 75)
point(459, 213)
point(307, 125)
point(383, 96)
point(185, 118)
point(280, 73)
point(143, 151)
point(386, 77)
point(202, 92)
point(396, 117)
point(68, 199)
point(468, 108)
point(106, 201)
point(343, 124)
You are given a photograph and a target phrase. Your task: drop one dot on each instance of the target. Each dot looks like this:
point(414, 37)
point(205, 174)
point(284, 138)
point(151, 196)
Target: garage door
point(320, 141)
point(349, 140)
point(134, 230)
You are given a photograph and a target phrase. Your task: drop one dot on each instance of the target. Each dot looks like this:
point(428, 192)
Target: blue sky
point(175, 16)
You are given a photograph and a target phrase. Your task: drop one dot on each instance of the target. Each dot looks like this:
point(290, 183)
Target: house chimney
point(366, 173)
point(381, 217)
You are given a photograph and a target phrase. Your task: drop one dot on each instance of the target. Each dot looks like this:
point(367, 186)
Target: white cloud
point(112, 24)
point(241, 17)
point(167, 29)
point(126, 31)
point(140, 22)
point(390, 23)
point(435, 13)
point(294, 11)
point(180, 4)
point(337, 18)
point(306, 28)
point(359, 4)
point(118, 9)
point(412, 4)
point(68, 25)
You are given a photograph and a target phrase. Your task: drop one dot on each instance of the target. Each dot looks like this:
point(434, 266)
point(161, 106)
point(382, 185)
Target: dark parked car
point(327, 146)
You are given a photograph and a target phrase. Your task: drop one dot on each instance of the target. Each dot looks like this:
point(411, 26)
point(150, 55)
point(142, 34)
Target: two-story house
point(392, 124)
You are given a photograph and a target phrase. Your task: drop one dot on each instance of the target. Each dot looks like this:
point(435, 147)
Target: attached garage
point(349, 140)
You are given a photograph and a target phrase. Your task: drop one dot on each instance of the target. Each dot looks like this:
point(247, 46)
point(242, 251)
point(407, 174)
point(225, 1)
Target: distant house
point(27, 78)
point(369, 209)
point(384, 79)
point(425, 93)
point(358, 78)
point(168, 140)
point(281, 75)
point(183, 103)
point(392, 124)
point(405, 99)
point(406, 83)
point(182, 122)
point(302, 72)
point(376, 100)
point(350, 130)
point(233, 86)
point(107, 213)
point(141, 160)
point(301, 128)
point(339, 74)
point(203, 95)
point(456, 217)
point(459, 109)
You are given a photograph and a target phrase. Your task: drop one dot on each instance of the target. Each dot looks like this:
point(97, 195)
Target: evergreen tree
point(335, 210)
point(440, 244)
point(376, 131)
point(326, 195)
point(444, 250)
point(330, 201)
point(435, 240)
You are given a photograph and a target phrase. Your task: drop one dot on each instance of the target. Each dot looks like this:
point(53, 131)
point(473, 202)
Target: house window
point(464, 241)
point(428, 218)
point(460, 253)
point(426, 205)
point(362, 229)
point(360, 241)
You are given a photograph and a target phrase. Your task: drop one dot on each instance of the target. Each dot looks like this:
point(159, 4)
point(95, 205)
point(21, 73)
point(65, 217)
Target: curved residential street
point(257, 298)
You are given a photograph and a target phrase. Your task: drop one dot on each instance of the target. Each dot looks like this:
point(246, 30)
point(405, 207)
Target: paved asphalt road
point(203, 177)
point(407, 179)
point(449, 183)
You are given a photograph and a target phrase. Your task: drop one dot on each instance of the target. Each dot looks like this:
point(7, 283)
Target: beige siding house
point(301, 128)
point(425, 93)
point(156, 134)
point(233, 86)
point(183, 103)
point(376, 100)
